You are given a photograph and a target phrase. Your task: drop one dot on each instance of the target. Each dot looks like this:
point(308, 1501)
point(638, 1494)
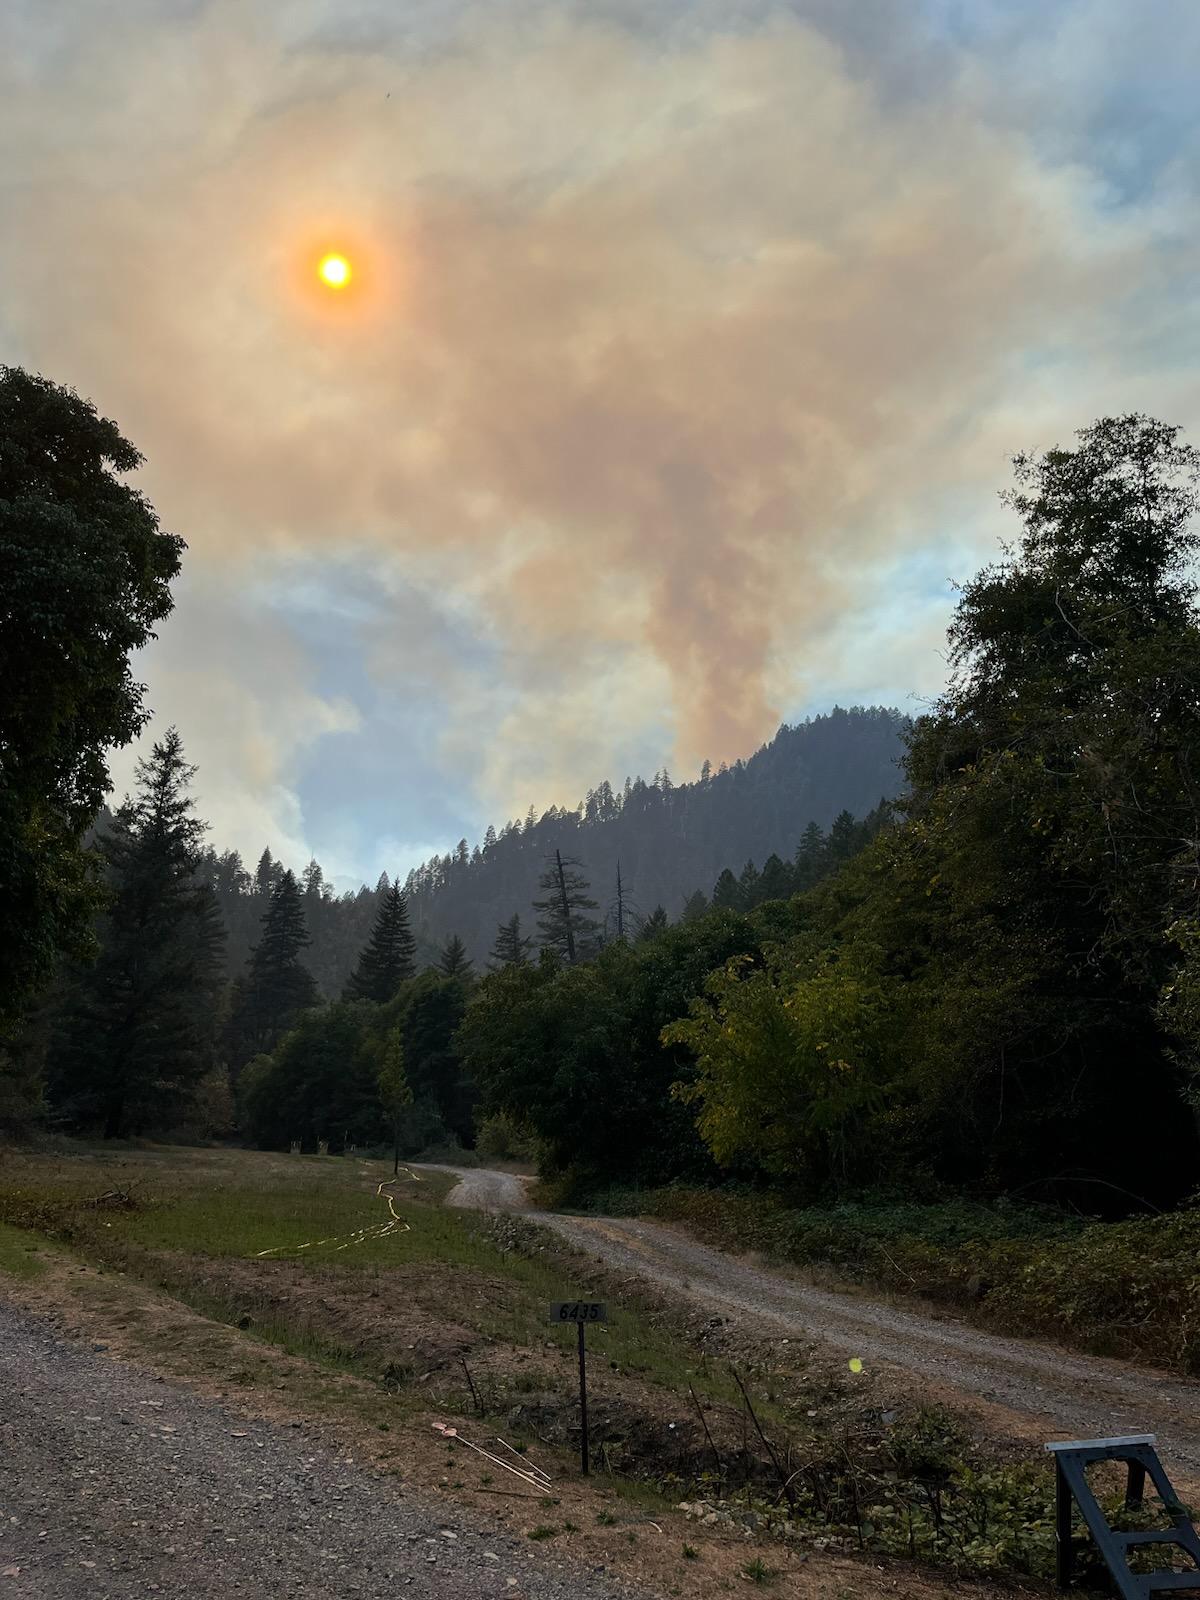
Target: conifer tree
point(454, 961)
point(510, 949)
point(694, 906)
point(276, 988)
point(657, 922)
point(812, 857)
point(727, 894)
point(843, 838)
point(388, 959)
point(140, 1028)
point(564, 925)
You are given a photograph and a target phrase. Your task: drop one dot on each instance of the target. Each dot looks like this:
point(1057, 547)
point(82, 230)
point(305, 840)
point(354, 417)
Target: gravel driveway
point(1065, 1394)
point(115, 1484)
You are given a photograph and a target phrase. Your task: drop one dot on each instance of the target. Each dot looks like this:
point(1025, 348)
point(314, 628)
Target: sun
point(334, 271)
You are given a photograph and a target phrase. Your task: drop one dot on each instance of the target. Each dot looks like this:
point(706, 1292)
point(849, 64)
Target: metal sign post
point(580, 1312)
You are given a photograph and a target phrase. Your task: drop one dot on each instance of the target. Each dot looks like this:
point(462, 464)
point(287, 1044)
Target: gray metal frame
point(1071, 1461)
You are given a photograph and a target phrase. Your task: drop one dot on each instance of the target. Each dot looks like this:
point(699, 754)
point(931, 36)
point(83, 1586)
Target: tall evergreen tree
point(510, 949)
point(139, 1031)
point(454, 961)
point(727, 893)
point(812, 857)
point(657, 922)
point(276, 988)
point(564, 924)
point(694, 906)
point(388, 959)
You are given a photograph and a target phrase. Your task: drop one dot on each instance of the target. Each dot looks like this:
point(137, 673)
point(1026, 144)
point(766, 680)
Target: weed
point(690, 1553)
point(757, 1572)
point(544, 1530)
point(606, 1519)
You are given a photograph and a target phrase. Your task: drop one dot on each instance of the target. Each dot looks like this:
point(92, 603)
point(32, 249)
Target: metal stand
point(583, 1400)
point(1071, 1461)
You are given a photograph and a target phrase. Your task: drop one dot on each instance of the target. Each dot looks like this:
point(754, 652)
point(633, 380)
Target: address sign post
point(580, 1312)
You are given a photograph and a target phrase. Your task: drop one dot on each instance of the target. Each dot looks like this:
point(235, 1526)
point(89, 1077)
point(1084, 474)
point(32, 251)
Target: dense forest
point(990, 984)
point(668, 840)
point(669, 843)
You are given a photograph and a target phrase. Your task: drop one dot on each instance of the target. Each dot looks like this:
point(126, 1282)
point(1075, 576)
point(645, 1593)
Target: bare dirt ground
point(1029, 1388)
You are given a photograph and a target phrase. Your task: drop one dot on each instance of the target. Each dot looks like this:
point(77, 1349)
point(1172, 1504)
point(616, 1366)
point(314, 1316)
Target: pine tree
point(563, 924)
point(388, 959)
point(776, 882)
point(694, 906)
point(510, 949)
point(454, 961)
point(748, 884)
point(727, 893)
point(276, 988)
point(140, 1030)
point(843, 838)
point(657, 922)
point(812, 857)
point(266, 874)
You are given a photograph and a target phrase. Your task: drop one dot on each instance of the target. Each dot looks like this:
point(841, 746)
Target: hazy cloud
point(675, 329)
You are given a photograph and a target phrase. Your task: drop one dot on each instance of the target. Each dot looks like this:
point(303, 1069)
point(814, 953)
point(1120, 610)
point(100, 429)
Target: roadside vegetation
point(1111, 1288)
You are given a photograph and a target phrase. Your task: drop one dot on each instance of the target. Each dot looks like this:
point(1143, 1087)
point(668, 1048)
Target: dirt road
point(113, 1484)
point(1057, 1392)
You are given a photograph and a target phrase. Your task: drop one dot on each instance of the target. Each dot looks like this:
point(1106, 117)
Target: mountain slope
point(670, 840)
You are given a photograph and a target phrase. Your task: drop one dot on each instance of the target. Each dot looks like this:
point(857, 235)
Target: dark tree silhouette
point(564, 925)
point(454, 961)
point(276, 988)
point(388, 959)
point(510, 949)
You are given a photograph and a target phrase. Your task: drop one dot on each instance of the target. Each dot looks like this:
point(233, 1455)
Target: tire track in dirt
point(1062, 1393)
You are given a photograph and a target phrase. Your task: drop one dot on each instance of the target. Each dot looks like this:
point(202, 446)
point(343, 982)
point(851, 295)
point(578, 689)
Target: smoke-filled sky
point(685, 350)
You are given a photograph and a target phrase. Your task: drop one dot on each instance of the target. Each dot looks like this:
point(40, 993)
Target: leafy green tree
point(564, 924)
point(454, 961)
point(84, 576)
point(140, 1027)
point(276, 989)
point(510, 949)
point(389, 957)
point(790, 1064)
point(575, 1053)
point(394, 1089)
point(322, 1082)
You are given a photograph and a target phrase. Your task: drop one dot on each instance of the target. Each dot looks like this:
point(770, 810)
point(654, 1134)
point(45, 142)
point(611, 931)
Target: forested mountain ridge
point(670, 840)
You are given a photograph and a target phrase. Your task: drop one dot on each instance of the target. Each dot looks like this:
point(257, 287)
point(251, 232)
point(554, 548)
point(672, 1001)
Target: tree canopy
point(85, 573)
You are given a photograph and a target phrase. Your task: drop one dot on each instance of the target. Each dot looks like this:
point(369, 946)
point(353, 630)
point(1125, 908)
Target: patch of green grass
point(20, 1252)
point(690, 1553)
point(758, 1572)
point(544, 1530)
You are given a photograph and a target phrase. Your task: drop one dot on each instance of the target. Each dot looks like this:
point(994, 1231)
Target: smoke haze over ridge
point(686, 351)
